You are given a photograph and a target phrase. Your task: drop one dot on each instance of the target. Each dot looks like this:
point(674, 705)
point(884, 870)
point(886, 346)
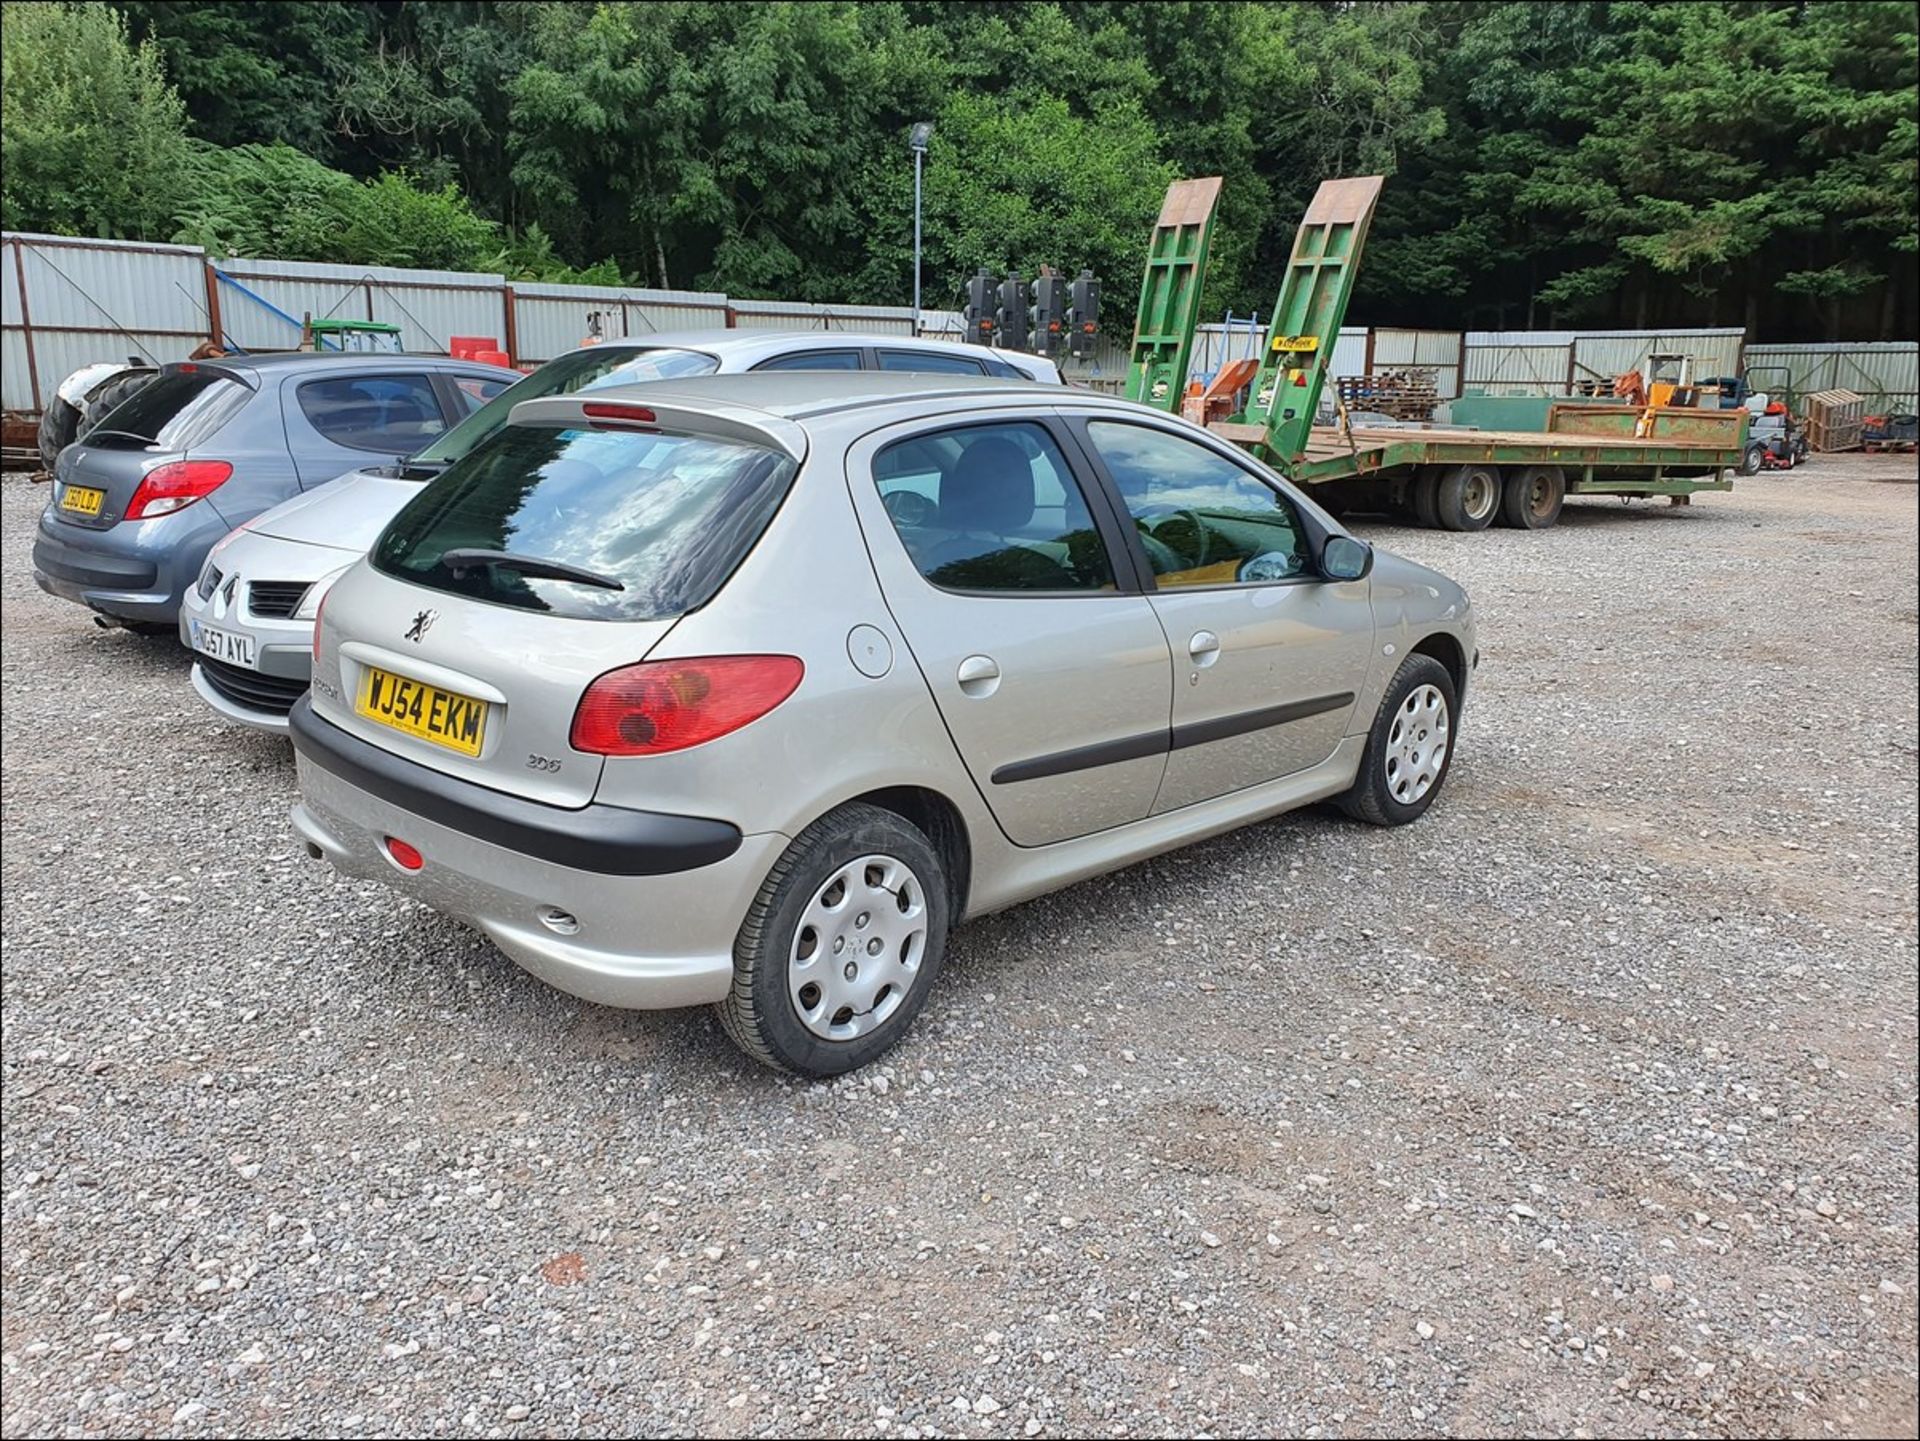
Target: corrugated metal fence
point(1554, 362)
point(1884, 374)
point(69, 302)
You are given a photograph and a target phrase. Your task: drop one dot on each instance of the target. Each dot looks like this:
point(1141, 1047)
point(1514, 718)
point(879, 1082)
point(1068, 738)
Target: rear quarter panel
point(803, 590)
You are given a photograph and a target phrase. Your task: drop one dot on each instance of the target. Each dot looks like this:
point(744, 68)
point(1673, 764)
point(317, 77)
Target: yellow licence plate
point(82, 499)
point(444, 717)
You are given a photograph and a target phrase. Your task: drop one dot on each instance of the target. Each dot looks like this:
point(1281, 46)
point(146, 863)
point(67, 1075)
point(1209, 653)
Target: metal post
point(919, 156)
point(26, 326)
point(917, 139)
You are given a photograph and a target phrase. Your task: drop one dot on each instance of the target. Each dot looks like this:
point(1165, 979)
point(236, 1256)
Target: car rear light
point(404, 855)
point(668, 705)
point(174, 486)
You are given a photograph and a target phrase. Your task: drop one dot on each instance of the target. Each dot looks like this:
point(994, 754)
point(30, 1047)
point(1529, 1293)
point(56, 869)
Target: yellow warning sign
point(1296, 342)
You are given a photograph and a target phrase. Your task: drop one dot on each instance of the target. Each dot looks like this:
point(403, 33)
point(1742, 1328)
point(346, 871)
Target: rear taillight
point(179, 483)
point(668, 705)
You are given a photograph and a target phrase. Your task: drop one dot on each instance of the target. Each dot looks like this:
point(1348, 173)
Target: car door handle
point(979, 676)
point(1204, 647)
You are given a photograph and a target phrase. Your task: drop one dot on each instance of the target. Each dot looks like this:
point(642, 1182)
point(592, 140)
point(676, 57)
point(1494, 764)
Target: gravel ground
point(1586, 1105)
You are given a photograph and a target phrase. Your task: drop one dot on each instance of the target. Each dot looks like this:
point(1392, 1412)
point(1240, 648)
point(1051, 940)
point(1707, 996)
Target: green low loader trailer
point(1466, 478)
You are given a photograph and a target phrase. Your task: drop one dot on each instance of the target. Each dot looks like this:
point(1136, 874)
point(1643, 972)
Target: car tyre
point(1468, 497)
point(1400, 774)
point(795, 961)
point(1533, 497)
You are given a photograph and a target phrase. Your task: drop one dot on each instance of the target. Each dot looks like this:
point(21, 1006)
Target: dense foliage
point(1728, 162)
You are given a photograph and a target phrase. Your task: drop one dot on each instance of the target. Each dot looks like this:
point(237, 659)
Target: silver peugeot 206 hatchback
point(744, 690)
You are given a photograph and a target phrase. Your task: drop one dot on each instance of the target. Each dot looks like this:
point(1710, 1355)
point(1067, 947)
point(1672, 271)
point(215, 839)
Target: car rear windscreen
point(659, 520)
point(176, 410)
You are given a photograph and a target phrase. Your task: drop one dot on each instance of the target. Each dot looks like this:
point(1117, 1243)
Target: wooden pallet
point(1402, 394)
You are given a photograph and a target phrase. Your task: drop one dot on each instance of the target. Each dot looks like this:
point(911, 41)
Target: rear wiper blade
point(124, 434)
point(467, 558)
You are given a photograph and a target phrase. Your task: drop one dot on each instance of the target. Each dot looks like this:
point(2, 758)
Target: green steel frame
point(1599, 470)
point(1307, 315)
point(1170, 294)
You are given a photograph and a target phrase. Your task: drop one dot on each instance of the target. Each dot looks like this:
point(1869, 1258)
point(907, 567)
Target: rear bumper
point(136, 570)
point(650, 923)
point(606, 840)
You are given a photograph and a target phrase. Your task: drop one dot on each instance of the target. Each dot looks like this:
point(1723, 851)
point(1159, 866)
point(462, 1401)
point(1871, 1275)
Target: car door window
point(813, 360)
point(470, 393)
point(929, 362)
point(1202, 519)
point(392, 414)
point(992, 508)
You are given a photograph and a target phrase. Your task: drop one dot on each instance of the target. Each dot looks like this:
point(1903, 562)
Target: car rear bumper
point(648, 922)
point(136, 570)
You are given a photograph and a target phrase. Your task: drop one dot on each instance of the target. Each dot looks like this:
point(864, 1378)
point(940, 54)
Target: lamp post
point(917, 139)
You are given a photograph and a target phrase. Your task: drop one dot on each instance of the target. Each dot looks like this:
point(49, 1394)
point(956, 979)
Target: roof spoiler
point(188, 367)
point(603, 410)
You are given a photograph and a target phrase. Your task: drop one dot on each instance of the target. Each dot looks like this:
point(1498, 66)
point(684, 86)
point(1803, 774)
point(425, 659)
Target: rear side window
point(992, 508)
point(927, 362)
point(177, 410)
point(472, 393)
point(395, 414)
point(814, 360)
point(659, 521)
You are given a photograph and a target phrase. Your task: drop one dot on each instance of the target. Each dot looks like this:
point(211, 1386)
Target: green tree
point(260, 71)
point(1014, 184)
point(93, 138)
point(270, 200)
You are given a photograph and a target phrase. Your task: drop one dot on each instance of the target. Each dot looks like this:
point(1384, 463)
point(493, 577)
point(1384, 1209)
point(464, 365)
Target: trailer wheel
point(1530, 498)
point(1422, 499)
point(1467, 497)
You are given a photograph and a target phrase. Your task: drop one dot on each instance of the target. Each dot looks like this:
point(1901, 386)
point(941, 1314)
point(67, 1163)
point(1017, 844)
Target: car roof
point(753, 343)
point(284, 361)
point(801, 395)
point(736, 339)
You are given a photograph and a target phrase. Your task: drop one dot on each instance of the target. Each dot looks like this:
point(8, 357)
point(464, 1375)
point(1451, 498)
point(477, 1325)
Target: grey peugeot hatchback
point(207, 445)
point(745, 689)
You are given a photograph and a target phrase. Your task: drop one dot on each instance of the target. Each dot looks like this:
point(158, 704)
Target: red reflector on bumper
point(404, 855)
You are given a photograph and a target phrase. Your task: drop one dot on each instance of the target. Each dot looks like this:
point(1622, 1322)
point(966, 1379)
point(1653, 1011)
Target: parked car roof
point(290, 360)
point(800, 395)
point(749, 345)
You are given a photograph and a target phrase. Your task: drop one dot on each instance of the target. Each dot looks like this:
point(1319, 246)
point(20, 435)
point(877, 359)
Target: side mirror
point(1344, 558)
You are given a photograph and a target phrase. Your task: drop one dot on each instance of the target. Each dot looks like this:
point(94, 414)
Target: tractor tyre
point(58, 423)
point(109, 397)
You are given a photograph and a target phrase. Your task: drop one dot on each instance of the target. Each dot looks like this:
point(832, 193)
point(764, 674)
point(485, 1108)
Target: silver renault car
point(744, 690)
point(249, 615)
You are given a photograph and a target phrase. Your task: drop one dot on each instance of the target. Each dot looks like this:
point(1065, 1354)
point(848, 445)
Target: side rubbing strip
point(1196, 733)
point(1060, 763)
point(1199, 733)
